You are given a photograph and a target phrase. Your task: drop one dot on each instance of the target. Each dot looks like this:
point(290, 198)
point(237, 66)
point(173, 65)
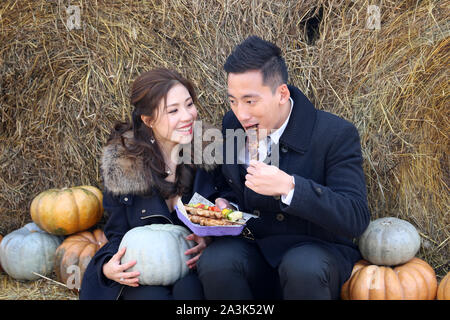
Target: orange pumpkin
point(69, 210)
point(77, 250)
point(413, 280)
point(443, 292)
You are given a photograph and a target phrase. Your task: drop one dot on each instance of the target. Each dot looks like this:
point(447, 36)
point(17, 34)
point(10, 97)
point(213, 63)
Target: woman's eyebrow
point(176, 103)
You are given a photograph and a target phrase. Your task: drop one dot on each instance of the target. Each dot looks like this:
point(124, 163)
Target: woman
point(143, 182)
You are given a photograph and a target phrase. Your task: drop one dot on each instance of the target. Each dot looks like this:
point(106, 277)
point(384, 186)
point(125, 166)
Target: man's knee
point(305, 261)
point(221, 255)
point(309, 271)
point(223, 269)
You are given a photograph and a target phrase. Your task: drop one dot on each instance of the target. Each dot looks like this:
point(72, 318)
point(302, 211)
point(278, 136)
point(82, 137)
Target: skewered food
point(253, 143)
point(209, 221)
point(212, 215)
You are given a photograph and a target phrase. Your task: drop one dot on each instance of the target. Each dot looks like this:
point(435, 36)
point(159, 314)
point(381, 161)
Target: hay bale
point(393, 84)
point(61, 90)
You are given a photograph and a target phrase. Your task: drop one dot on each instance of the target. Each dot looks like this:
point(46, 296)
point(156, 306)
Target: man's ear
point(147, 120)
point(284, 93)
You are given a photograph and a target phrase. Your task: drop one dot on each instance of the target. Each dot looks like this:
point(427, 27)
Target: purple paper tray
point(204, 231)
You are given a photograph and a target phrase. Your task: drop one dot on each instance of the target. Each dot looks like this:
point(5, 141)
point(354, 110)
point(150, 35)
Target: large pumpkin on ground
point(27, 250)
point(444, 288)
point(159, 252)
point(68, 210)
point(76, 251)
point(389, 241)
point(414, 280)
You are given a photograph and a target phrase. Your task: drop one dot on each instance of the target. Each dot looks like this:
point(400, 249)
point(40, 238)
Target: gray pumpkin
point(389, 241)
point(27, 250)
point(159, 252)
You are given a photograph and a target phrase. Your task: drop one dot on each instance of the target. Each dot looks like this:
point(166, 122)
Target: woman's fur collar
point(124, 173)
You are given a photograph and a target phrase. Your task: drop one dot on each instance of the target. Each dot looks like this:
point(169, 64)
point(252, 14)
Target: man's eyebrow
point(249, 95)
point(175, 104)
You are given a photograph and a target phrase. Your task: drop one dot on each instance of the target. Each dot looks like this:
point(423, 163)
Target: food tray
point(204, 231)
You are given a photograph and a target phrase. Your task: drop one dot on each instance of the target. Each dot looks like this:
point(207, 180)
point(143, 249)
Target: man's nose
point(242, 114)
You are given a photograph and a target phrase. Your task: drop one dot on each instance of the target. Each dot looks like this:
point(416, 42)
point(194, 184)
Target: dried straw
point(61, 90)
point(41, 289)
point(393, 84)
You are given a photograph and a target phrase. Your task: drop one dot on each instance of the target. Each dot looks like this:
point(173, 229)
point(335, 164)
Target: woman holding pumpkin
point(143, 182)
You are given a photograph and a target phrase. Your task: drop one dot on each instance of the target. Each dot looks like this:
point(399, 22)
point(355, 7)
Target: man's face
point(253, 103)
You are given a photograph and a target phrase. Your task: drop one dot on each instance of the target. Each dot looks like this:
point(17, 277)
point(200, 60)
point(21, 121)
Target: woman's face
point(174, 122)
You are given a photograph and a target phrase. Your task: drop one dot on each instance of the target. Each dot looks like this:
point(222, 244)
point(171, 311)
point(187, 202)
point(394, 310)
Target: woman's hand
point(115, 271)
point(202, 243)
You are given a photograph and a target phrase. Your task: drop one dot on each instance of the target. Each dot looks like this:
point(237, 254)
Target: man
point(310, 205)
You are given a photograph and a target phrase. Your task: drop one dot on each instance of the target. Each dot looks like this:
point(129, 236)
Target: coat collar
point(122, 172)
point(126, 174)
point(298, 132)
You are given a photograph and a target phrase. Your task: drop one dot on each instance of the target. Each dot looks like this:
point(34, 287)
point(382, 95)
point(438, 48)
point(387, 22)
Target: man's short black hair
point(255, 53)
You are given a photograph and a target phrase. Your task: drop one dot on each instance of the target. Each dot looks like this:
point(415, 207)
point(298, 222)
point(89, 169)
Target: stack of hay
point(62, 90)
point(393, 84)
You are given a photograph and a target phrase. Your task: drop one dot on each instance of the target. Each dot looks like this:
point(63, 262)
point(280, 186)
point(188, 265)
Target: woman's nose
point(189, 114)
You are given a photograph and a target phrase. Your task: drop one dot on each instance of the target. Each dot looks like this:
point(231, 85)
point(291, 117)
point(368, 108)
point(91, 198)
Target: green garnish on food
point(226, 212)
point(234, 216)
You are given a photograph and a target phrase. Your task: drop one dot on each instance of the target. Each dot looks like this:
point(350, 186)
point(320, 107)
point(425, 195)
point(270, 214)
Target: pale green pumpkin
point(27, 250)
point(159, 252)
point(389, 242)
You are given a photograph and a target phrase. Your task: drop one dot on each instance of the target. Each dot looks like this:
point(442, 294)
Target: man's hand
point(268, 180)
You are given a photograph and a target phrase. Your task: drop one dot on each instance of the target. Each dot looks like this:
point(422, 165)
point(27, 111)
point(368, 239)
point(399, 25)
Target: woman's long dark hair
point(146, 94)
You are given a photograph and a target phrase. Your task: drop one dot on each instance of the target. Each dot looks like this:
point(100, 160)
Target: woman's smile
point(186, 130)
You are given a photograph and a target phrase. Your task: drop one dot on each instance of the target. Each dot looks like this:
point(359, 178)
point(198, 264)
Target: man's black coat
point(329, 206)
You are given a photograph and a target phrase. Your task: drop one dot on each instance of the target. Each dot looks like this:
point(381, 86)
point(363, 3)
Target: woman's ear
point(147, 120)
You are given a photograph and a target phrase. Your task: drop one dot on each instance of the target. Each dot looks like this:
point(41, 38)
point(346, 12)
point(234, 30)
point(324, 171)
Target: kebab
point(212, 215)
point(253, 143)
